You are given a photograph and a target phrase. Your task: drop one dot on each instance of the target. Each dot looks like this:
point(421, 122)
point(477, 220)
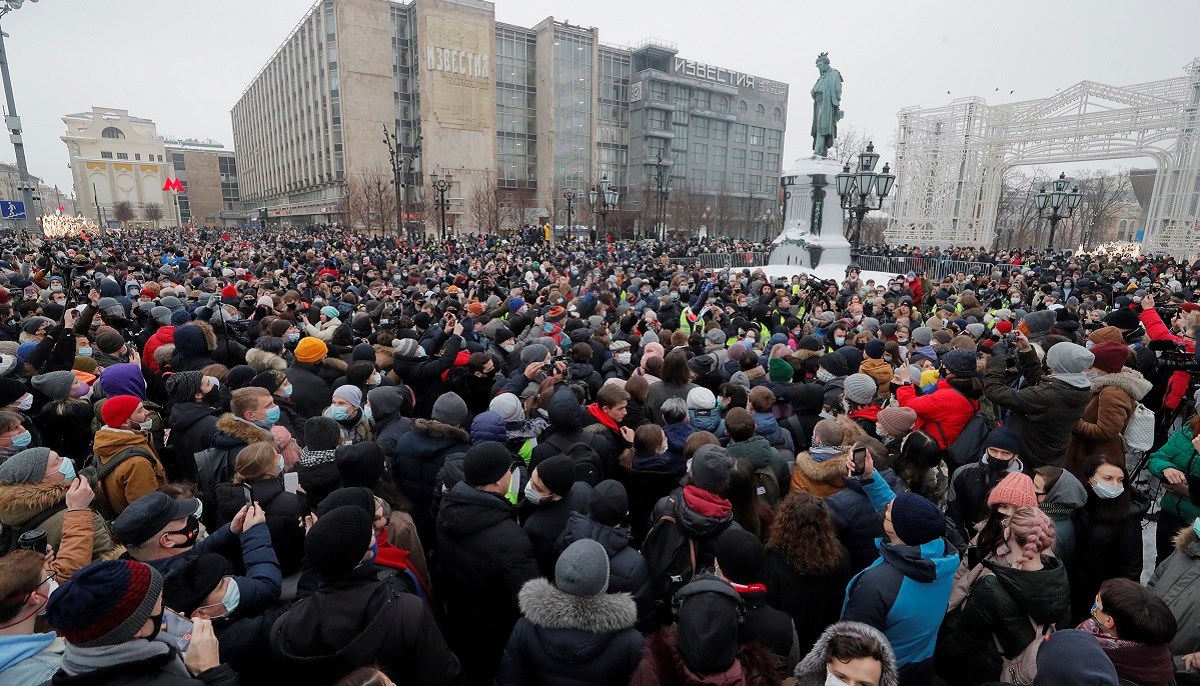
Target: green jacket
point(1178, 452)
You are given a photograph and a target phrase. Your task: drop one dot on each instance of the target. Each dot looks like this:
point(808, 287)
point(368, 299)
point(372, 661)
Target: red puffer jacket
point(1157, 331)
point(941, 414)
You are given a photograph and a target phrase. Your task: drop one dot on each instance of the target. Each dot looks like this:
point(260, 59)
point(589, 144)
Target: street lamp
point(25, 184)
point(602, 198)
point(569, 196)
point(441, 186)
point(402, 167)
point(855, 187)
point(1062, 204)
point(662, 183)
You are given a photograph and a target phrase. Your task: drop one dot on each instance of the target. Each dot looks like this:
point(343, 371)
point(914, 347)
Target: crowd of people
point(327, 458)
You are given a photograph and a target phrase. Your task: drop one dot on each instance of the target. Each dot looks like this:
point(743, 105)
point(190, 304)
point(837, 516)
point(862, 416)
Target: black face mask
point(189, 531)
point(213, 396)
point(158, 624)
point(997, 465)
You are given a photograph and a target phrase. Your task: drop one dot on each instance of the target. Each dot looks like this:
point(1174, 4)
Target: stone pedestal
point(820, 249)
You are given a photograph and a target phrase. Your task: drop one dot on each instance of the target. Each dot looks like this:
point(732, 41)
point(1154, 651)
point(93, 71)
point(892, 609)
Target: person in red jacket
point(1157, 330)
point(943, 413)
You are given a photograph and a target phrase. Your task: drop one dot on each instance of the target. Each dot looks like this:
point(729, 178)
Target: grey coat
point(1177, 582)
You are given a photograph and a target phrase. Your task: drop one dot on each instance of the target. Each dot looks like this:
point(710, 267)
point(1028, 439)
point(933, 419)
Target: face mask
point(902, 341)
point(831, 680)
point(1196, 526)
point(887, 358)
point(368, 413)
point(532, 495)
point(213, 381)
point(293, 337)
point(287, 391)
point(1107, 491)
point(158, 622)
point(421, 352)
point(338, 412)
point(624, 358)
point(996, 464)
point(81, 391)
point(271, 419)
point(233, 596)
point(839, 340)
point(67, 468)
point(53, 587)
point(824, 375)
point(282, 464)
point(189, 532)
point(85, 352)
point(22, 440)
point(376, 380)
point(25, 403)
point(146, 425)
point(509, 347)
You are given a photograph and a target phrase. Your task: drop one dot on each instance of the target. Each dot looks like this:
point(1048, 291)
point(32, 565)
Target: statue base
point(812, 240)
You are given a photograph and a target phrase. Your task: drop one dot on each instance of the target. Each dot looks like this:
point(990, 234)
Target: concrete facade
point(209, 176)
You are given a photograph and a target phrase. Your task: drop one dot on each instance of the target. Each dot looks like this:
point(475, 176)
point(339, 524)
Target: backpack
point(670, 557)
point(968, 446)
point(95, 472)
point(1138, 435)
point(767, 484)
point(588, 467)
point(9, 535)
point(706, 420)
point(1022, 667)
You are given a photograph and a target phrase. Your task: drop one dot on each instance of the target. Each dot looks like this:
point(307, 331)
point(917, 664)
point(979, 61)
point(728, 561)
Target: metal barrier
point(933, 267)
point(723, 260)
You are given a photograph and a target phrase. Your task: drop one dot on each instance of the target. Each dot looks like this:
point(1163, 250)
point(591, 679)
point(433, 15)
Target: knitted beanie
point(740, 555)
point(180, 317)
point(485, 463)
point(26, 467)
point(450, 409)
point(921, 336)
point(183, 386)
point(360, 464)
point(351, 394)
point(117, 410)
point(860, 389)
point(1003, 438)
point(106, 603)
point(582, 569)
point(109, 340)
point(1107, 333)
point(779, 370)
point(11, 391)
point(557, 474)
point(875, 349)
point(311, 350)
point(386, 401)
point(364, 352)
point(895, 421)
point(56, 385)
point(508, 406)
point(161, 314)
point(961, 362)
point(338, 540)
point(322, 433)
point(710, 468)
point(268, 380)
point(916, 520)
point(1015, 489)
point(330, 311)
point(700, 398)
point(534, 352)
point(1111, 356)
point(610, 506)
point(835, 364)
point(406, 347)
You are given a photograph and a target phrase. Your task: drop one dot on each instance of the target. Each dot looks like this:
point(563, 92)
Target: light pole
point(1058, 199)
point(569, 195)
point(603, 199)
point(13, 123)
point(854, 189)
point(402, 168)
point(441, 185)
point(662, 183)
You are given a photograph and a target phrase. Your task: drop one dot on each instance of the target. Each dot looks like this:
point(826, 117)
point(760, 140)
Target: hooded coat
point(311, 392)
point(356, 620)
point(231, 436)
point(567, 419)
point(424, 375)
point(284, 511)
point(820, 478)
point(627, 569)
point(813, 669)
point(1114, 397)
point(1039, 411)
point(663, 665)
point(133, 478)
point(1062, 500)
point(563, 639)
point(969, 490)
point(193, 426)
point(415, 462)
point(1177, 582)
point(1179, 453)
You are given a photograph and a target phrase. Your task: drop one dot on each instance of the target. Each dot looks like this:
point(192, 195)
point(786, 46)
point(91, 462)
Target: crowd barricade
point(934, 267)
point(725, 260)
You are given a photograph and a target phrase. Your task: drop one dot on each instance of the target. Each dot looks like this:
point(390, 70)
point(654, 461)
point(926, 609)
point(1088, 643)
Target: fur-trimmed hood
point(210, 336)
point(812, 670)
point(20, 502)
point(1129, 380)
point(1186, 541)
point(436, 429)
point(831, 471)
point(261, 360)
point(549, 608)
point(242, 431)
point(804, 353)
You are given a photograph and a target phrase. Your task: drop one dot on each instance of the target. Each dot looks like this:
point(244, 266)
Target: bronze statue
point(827, 100)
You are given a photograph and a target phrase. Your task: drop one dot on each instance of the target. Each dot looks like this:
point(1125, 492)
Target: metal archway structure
point(949, 160)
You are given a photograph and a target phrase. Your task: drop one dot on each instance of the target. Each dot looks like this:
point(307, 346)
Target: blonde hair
point(256, 462)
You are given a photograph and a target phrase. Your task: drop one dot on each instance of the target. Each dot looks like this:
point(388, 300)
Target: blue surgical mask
point(287, 391)
point(1107, 491)
point(293, 337)
point(839, 340)
point(68, 469)
point(85, 352)
point(1196, 526)
point(22, 440)
point(338, 412)
point(232, 598)
point(271, 419)
point(282, 464)
point(368, 413)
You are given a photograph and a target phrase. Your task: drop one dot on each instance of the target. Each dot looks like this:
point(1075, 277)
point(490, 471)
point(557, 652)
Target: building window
point(739, 182)
point(703, 99)
point(760, 111)
point(739, 158)
point(106, 155)
point(720, 130)
point(722, 103)
point(656, 120)
point(160, 158)
point(756, 159)
point(741, 107)
point(699, 153)
point(739, 133)
point(757, 135)
point(680, 94)
point(777, 114)
point(112, 132)
point(717, 158)
point(122, 156)
point(658, 91)
point(772, 161)
point(774, 138)
point(700, 128)
point(755, 183)
point(138, 156)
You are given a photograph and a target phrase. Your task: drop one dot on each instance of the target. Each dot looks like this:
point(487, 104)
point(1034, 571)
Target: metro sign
point(173, 185)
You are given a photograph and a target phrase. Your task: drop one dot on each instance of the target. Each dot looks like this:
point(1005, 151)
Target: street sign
point(12, 209)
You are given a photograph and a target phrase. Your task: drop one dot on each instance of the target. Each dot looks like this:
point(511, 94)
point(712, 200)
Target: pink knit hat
point(1016, 489)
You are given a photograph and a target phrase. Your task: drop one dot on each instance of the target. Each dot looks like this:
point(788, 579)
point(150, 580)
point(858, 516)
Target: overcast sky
point(184, 64)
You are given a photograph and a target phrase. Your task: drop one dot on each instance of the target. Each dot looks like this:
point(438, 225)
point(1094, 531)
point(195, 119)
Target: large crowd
point(310, 456)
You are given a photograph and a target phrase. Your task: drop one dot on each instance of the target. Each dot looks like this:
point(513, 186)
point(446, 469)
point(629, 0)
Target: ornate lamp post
point(402, 167)
point(441, 186)
point(569, 195)
point(1062, 204)
point(855, 187)
point(662, 183)
point(603, 199)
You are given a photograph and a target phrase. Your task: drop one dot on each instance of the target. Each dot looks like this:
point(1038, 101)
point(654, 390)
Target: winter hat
point(229, 291)
point(124, 379)
point(183, 386)
point(11, 391)
point(180, 317)
point(267, 380)
point(485, 463)
point(338, 540)
point(895, 421)
point(1003, 438)
point(330, 311)
point(350, 496)
point(961, 362)
point(557, 474)
point(117, 410)
point(56, 385)
point(707, 630)
point(1015, 489)
point(240, 376)
point(109, 340)
point(488, 426)
point(921, 336)
point(508, 406)
point(105, 603)
point(735, 351)
point(916, 520)
point(1110, 357)
point(407, 347)
point(835, 364)
point(351, 394)
point(1107, 333)
point(9, 362)
point(649, 337)
point(25, 350)
point(700, 398)
point(82, 364)
point(610, 507)
point(975, 330)
point(1067, 362)
point(310, 350)
point(1123, 318)
point(875, 348)
point(740, 555)
point(715, 337)
point(860, 389)
point(619, 346)
point(779, 370)
point(810, 342)
point(386, 401)
point(187, 586)
point(360, 464)
point(739, 378)
point(26, 467)
point(1037, 324)
point(322, 433)
point(1073, 656)
point(191, 339)
point(364, 352)
point(710, 468)
point(161, 315)
point(582, 569)
point(702, 364)
point(534, 352)
point(450, 409)
point(515, 304)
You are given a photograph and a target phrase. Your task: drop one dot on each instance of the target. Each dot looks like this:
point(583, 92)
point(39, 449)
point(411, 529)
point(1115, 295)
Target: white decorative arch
point(950, 160)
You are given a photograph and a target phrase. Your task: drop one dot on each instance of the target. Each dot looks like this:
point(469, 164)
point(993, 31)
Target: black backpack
point(671, 558)
point(968, 446)
point(588, 467)
point(95, 472)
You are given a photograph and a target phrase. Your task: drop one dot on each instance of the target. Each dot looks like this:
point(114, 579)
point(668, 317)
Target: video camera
point(1175, 357)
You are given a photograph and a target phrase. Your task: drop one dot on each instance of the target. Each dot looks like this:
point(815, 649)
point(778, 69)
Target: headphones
point(709, 583)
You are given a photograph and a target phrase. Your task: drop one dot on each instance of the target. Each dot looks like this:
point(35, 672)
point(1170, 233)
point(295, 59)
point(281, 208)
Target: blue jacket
point(31, 659)
point(263, 582)
point(905, 592)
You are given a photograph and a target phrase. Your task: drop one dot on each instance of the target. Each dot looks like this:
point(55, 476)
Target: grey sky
point(184, 64)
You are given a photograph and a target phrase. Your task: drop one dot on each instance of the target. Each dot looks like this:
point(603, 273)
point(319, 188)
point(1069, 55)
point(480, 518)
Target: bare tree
point(1103, 193)
point(123, 211)
point(483, 205)
point(1017, 223)
point(153, 212)
point(688, 205)
point(849, 143)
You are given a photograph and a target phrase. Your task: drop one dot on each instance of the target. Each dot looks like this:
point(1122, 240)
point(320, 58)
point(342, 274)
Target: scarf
point(78, 660)
point(1137, 662)
point(706, 503)
point(601, 416)
point(312, 458)
point(820, 453)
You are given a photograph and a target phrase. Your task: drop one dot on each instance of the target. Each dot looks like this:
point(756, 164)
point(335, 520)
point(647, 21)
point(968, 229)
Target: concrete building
point(116, 157)
point(208, 173)
point(521, 113)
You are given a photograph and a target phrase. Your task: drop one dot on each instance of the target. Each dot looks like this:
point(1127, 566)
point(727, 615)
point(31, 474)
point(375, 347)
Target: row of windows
point(104, 154)
point(702, 99)
point(718, 180)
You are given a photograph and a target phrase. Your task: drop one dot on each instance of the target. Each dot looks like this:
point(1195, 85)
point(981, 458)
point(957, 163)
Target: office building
point(207, 173)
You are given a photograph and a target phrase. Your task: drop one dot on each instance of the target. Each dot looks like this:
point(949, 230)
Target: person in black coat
point(1108, 533)
point(317, 467)
point(420, 454)
point(567, 427)
point(740, 558)
point(484, 558)
point(857, 524)
point(259, 472)
point(360, 615)
point(65, 421)
point(550, 496)
point(573, 632)
point(311, 390)
point(193, 418)
point(422, 373)
point(605, 523)
point(390, 407)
